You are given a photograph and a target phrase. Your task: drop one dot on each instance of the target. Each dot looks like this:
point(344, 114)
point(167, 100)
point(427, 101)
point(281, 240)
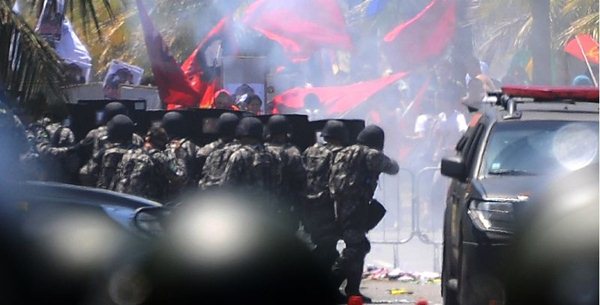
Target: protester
point(582, 81)
point(223, 100)
point(254, 104)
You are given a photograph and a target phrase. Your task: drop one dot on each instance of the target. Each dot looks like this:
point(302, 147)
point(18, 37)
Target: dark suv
point(516, 142)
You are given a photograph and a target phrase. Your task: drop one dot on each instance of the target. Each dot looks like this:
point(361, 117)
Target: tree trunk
point(540, 42)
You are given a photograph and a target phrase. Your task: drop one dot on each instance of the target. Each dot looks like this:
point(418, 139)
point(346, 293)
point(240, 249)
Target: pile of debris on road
point(381, 273)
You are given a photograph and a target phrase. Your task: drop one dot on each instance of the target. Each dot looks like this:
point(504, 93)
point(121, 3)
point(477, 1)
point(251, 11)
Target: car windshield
point(539, 148)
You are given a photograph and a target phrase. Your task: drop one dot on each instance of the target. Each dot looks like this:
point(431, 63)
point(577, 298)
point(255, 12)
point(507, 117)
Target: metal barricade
point(394, 192)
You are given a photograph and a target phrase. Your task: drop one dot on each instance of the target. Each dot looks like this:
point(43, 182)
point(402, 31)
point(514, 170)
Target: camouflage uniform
point(207, 149)
point(253, 169)
point(60, 136)
point(293, 180)
point(61, 163)
point(319, 216)
point(214, 165)
point(147, 173)
point(102, 167)
point(185, 152)
point(98, 139)
point(352, 183)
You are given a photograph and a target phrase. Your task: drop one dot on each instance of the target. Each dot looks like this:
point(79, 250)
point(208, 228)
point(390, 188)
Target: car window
point(469, 155)
point(539, 147)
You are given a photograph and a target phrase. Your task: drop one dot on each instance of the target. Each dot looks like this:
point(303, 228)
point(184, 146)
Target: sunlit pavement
point(405, 293)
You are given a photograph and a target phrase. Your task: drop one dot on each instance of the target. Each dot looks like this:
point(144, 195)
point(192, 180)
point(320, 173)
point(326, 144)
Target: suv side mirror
point(454, 167)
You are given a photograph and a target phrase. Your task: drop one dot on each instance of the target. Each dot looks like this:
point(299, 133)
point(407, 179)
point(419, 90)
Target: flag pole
point(587, 62)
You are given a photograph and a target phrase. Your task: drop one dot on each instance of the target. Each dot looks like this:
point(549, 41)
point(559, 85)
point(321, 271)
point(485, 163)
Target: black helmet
point(120, 128)
point(227, 124)
point(336, 130)
point(113, 108)
point(372, 136)
point(278, 125)
point(250, 127)
point(173, 123)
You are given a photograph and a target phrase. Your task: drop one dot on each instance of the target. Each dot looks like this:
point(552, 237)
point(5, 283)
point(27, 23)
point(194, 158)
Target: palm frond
point(28, 65)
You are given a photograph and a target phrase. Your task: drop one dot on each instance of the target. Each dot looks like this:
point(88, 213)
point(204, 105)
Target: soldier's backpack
point(317, 162)
point(109, 163)
point(267, 168)
point(349, 174)
point(135, 174)
point(214, 166)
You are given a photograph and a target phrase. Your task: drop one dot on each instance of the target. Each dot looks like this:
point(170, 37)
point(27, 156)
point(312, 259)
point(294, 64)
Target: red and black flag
point(173, 87)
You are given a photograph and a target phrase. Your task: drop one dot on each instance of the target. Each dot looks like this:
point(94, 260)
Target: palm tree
point(28, 64)
point(507, 26)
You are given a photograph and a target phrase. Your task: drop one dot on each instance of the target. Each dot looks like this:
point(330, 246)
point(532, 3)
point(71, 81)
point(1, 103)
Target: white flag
point(73, 52)
point(16, 8)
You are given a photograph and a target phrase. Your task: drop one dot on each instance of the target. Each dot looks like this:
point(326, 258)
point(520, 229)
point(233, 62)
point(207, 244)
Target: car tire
point(449, 294)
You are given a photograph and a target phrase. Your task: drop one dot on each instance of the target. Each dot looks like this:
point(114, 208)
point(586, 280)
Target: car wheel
point(449, 282)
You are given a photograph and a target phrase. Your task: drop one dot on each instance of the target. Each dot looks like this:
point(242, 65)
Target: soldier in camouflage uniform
point(291, 190)
point(352, 183)
point(252, 169)
point(146, 171)
point(62, 161)
point(182, 148)
point(226, 129)
point(97, 139)
point(101, 169)
point(319, 216)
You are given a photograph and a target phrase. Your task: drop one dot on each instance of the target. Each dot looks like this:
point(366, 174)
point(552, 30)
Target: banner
point(423, 37)
point(202, 68)
point(301, 27)
point(583, 46)
point(50, 21)
point(78, 62)
point(337, 99)
point(120, 73)
point(173, 87)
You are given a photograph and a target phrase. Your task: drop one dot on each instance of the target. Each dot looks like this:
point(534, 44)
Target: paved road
point(379, 291)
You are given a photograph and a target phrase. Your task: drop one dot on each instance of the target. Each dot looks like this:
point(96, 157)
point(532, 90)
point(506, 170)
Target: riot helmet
point(249, 127)
point(335, 129)
point(226, 124)
point(372, 136)
point(120, 128)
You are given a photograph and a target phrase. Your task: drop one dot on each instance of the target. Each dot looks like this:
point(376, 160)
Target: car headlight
point(492, 216)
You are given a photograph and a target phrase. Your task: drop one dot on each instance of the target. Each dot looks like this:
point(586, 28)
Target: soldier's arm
point(233, 172)
point(379, 162)
point(69, 136)
point(298, 174)
point(174, 168)
point(88, 174)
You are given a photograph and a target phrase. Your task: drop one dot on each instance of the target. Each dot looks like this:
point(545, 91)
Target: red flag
point(300, 26)
point(202, 68)
point(583, 46)
point(423, 37)
point(336, 99)
point(173, 88)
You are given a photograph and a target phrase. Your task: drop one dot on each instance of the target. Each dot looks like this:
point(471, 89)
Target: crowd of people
point(325, 191)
